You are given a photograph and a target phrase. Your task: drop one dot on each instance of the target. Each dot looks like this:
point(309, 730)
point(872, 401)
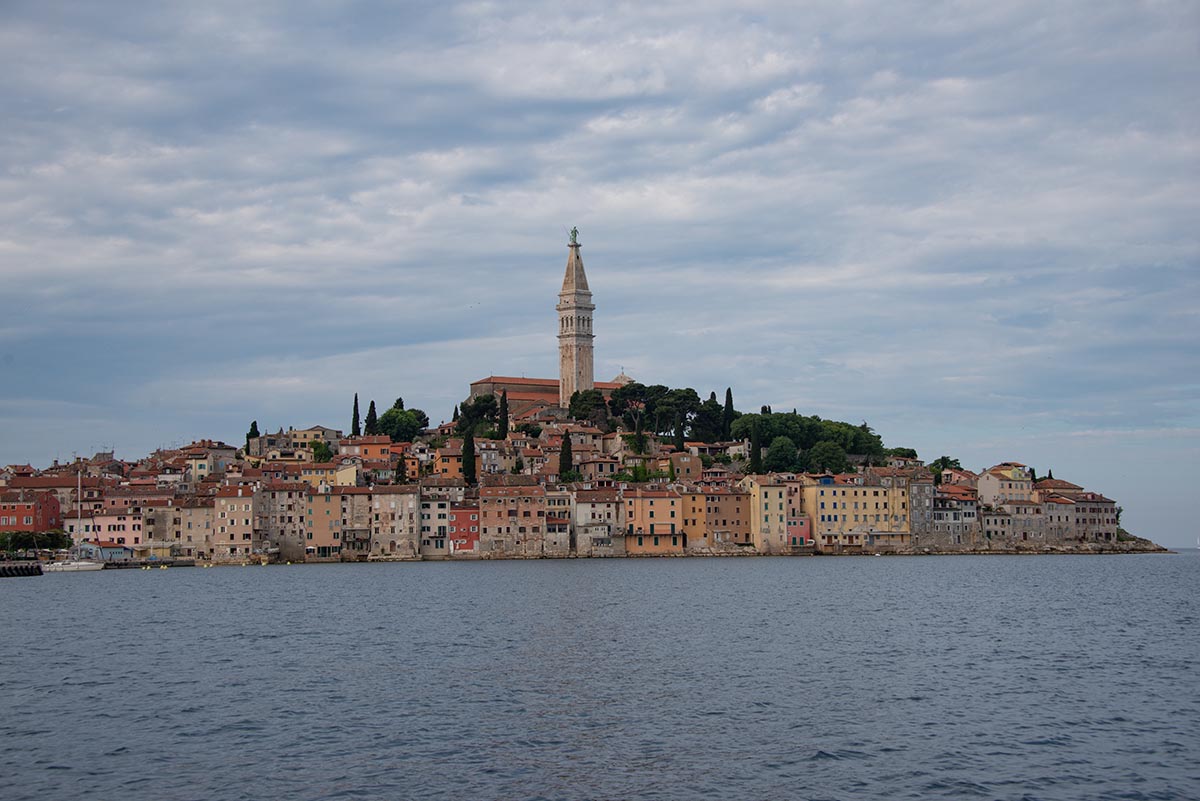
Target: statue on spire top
point(574, 236)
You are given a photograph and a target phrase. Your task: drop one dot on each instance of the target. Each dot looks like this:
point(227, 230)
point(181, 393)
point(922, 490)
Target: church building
point(575, 363)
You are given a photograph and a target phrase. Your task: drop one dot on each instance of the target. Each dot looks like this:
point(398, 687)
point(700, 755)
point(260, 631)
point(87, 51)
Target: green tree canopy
point(252, 433)
point(321, 451)
point(589, 406)
point(728, 414)
point(355, 425)
point(476, 411)
point(828, 456)
point(806, 432)
point(502, 416)
point(371, 424)
point(781, 456)
point(566, 460)
point(468, 457)
point(403, 425)
point(708, 423)
point(756, 464)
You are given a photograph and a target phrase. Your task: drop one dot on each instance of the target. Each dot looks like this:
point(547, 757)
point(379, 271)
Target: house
point(463, 530)
point(653, 521)
point(512, 515)
point(29, 510)
point(598, 523)
point(396, 521)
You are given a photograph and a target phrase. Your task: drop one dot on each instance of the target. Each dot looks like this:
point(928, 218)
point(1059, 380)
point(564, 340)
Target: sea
point(958, 677)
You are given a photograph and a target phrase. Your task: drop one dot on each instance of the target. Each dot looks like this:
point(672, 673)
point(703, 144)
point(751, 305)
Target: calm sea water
point(952, 677)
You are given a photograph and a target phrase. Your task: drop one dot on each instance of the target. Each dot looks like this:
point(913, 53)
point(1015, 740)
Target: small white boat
point(72, 566)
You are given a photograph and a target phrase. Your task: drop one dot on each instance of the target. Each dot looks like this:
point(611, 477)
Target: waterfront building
point(396, 520)
point(283, 505)
point(512, 516)
point(653, 521)
point(1007, 481)
point(355, 522)
point(598, 527)
point(1095, 518)
point(323, 526)
point(768, 512)
point(955, 518)
point(197, 515)
point(463, 532)
point(236, 537)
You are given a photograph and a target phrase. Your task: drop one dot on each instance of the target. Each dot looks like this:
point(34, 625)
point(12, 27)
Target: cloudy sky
point(972, 224)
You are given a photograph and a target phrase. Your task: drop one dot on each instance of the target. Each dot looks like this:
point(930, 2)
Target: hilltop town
point(566, 467)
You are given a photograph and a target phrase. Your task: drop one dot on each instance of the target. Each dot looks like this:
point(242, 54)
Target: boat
point(75, 565)
point(72, 566)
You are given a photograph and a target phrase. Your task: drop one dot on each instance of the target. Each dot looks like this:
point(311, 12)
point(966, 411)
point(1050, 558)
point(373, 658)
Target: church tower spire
point(574, 328)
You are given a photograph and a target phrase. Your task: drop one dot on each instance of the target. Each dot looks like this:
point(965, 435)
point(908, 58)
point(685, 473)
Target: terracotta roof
point(535, 382)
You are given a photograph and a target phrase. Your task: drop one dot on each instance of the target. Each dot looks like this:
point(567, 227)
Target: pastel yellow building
point(849, 512)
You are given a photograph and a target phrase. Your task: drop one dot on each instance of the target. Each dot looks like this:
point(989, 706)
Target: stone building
point(598, 523)
point(512, 517)
point(574, 328)
point(396, 521)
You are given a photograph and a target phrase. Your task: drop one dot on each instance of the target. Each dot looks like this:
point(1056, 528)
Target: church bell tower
point(574, 328)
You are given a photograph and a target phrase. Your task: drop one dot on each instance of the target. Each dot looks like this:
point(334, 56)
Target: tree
point(566, 460)
point(639, 441)
point(502, 421)
point(399, 404)
point(708, 425)
point(475, 411)
point(402, 425)
point(251, 434)
point(939, 466)
point(905, 453)
point(781, 455)
point(680, 445)
point(518, 466)
point(321, 451)
point(589, 406)
point(468, 458)
point(454, 418)
point(828, 456)
point(756, 465)
point(727, 415)
point(371, 425)
point(531, 430)
point(355, 427)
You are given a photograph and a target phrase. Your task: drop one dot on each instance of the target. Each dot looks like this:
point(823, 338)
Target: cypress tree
point(727, 417)
point(468, 457)
point(355, 426)
point(755, 450)
point(371, 425)
point(502, 422)
point(679, 444)
point(454, 419)
point(251, 434)
point(566, 460)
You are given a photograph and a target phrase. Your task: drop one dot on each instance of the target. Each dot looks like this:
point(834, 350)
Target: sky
point(973, 225)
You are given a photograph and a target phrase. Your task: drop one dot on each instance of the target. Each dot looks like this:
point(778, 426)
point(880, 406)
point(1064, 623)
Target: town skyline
point(973, 230)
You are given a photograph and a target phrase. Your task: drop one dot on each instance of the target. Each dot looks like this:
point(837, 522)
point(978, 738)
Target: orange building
point(654, 521)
